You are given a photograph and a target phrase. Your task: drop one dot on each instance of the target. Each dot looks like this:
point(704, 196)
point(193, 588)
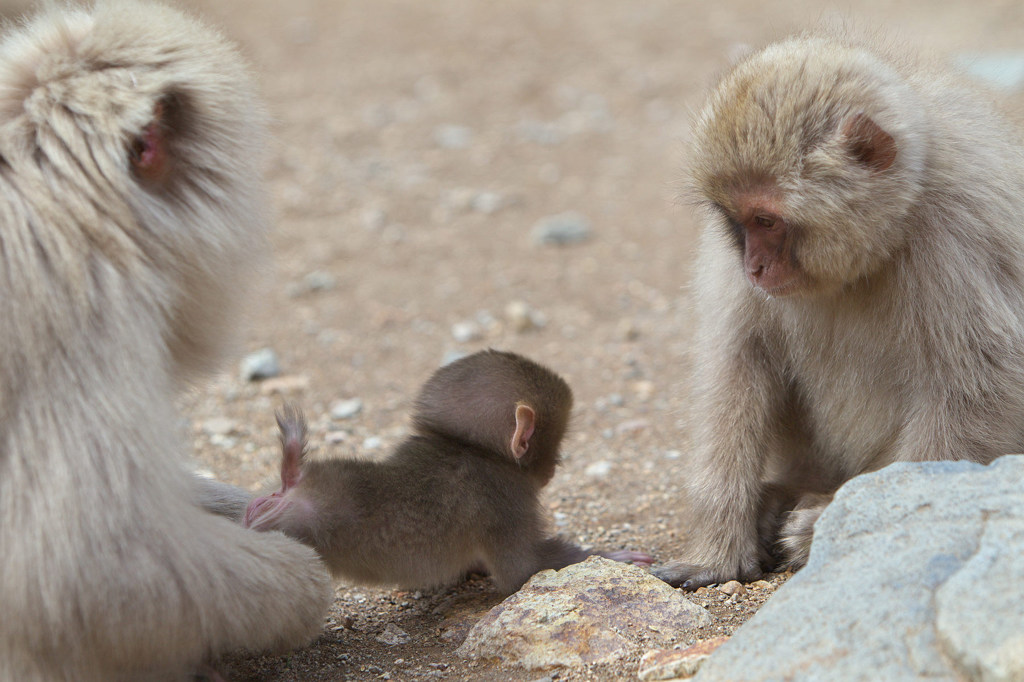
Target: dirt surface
point(416, 146)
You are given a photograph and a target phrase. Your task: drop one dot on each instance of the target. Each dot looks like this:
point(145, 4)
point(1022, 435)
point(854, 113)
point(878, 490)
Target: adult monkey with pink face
point(130, 217)
point(860, 290)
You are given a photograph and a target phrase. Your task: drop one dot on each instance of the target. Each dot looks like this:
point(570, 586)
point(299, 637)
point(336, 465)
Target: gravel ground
point(418, 147)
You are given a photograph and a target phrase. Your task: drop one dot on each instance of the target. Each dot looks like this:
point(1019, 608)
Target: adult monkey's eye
point(764, 221)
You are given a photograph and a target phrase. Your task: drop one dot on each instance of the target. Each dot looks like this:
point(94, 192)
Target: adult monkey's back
point(130, 213)
point(860, 290)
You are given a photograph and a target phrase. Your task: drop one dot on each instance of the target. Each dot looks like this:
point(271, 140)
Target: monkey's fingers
point(794, 543)
point(630, 557)
point(687, 576)
point(261, 511)
point(692, 576)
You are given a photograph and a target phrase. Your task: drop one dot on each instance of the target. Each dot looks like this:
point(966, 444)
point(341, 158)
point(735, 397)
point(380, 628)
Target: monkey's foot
point(692, 576)
point(794, 543)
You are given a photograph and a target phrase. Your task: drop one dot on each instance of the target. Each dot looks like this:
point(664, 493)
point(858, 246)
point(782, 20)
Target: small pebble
point(453, 136)
point(733, 587)
point(392, 635)
point(598, 469)
point(667, 664)
point(335, 437)
point(262, 364)
point(454, 635)
point(219, 426)
point(464, 332)
point(539, 132)
point(486, 320)
point(318, 280)
point(631, 426)
point(451, 356)
point(285, 385)
point(346, 409)
point(487, 203)
point(374, 218)
point(221, 441)
point(570, 227)
point(521, 317)
point(643, 389)
point(372, 443)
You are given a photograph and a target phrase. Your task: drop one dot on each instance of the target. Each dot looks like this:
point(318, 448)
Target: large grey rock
point(597, 611)
point(915, 572)
point(980, 608)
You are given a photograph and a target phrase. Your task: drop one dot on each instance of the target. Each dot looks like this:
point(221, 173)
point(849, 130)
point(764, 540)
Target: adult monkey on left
point(130, 215)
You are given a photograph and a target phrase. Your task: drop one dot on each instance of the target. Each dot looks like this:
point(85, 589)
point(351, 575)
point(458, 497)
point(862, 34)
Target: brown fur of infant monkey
point(459, 494)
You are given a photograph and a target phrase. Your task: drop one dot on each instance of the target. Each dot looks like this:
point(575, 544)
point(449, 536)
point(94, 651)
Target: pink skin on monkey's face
point(768, 259)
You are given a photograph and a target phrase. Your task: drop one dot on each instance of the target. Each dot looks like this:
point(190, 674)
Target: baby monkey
point(459, 494)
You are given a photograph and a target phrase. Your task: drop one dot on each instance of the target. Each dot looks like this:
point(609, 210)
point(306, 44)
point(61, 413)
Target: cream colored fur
point(907, 340)
point(112, 296)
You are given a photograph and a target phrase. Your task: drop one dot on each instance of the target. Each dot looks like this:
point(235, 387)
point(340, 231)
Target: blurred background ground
point(416, 146)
